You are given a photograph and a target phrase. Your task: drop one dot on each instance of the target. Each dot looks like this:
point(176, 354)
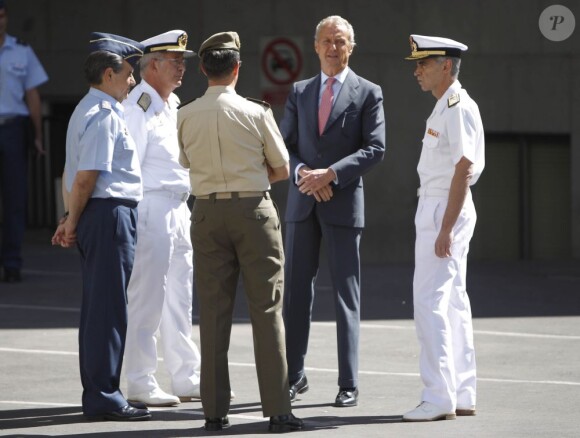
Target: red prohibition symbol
point(281, 61)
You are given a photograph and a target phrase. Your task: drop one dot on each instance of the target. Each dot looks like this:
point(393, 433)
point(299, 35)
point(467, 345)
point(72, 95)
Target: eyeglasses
point(178, 62)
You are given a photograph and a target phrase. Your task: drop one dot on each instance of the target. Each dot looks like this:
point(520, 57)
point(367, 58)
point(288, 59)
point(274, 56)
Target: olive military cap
point(222, 40)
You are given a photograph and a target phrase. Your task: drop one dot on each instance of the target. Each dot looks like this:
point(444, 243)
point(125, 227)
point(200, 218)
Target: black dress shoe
point(285, 423)
point(127, 413)
point(346, 398)
point(12, 275)
point(300, 386)
point(137, 404)
point(216, 423)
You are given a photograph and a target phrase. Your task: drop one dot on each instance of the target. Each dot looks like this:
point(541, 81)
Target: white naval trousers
point(441, 307)
point(160, 299)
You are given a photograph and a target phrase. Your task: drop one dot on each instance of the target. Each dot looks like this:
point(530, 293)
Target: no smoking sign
point(281, 61)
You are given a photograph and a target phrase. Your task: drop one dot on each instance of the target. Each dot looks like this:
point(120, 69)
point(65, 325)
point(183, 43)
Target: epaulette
point(453, 100)
point(181, 105)
point(105, 104)
point(144, 101)
point(261, 102)
point(21, 42)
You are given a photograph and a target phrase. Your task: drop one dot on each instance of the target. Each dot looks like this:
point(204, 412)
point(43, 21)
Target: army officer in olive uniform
point(234, 151)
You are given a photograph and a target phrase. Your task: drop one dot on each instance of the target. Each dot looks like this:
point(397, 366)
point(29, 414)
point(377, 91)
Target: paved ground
point(527, 338)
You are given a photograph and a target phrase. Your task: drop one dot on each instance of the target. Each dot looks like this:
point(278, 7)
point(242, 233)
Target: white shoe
point(194, 394)
point(155, 398)
point(428, 412)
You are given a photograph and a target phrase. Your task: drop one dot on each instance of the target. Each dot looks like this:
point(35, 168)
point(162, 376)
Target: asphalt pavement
point(527, 335)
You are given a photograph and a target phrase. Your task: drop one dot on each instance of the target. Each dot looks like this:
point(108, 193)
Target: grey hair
point(96, 64)
point(337, 20)
point(455, 64)
point(146, 60)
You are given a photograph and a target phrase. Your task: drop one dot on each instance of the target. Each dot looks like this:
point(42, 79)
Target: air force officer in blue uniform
point(334, 128)
point(20, 75)
point(103, 179)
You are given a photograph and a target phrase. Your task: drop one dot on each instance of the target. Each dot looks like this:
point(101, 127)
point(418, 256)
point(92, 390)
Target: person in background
point(20, 76)
point(234, 151)
point(452, 159)
point(160, 290)
point(334, 127)
point(103, 182)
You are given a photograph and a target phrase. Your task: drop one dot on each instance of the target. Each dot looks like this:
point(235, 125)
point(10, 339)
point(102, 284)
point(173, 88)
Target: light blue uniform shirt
point(98, 139)
point(20, 70)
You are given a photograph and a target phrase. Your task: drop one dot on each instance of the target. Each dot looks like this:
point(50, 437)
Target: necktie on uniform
point(325, 105)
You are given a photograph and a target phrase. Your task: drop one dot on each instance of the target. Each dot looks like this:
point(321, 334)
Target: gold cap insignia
point(182, 41)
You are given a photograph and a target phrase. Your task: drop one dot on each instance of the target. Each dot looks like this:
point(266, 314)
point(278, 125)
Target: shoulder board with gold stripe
point(453, 100)
point(144, 101)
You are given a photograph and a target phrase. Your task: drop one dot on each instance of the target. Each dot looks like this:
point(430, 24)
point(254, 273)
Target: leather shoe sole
point(298, 387)
point(465, 412)
point(285, 423)
point(215, 424)
point(127, 413)
point(346, 399)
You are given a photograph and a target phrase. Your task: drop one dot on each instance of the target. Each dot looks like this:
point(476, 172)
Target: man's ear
point(448, 64)
point(108, 74)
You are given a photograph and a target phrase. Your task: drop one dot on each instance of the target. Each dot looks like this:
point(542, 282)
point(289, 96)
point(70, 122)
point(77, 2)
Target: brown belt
point(230, 195)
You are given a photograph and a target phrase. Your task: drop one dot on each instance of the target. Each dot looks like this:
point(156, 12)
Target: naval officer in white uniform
point(160, 291)
point(452, 159)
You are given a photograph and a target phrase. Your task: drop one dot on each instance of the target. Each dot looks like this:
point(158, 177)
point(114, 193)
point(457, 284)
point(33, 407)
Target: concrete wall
point(522, 82)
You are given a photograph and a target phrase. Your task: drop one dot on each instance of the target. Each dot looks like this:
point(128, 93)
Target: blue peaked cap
point(131, 51)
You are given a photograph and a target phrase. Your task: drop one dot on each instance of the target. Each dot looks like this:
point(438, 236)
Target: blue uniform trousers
point(14, 189)
point(106, 236)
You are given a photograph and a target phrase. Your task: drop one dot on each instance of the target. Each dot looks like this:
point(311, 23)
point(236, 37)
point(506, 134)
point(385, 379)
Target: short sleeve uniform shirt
point(98, 139)
point(20, 70)
point(152, 123)
point(453, 130)
point(226, 141)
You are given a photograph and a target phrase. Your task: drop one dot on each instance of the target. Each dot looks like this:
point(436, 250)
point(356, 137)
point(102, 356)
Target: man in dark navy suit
point(334, 128)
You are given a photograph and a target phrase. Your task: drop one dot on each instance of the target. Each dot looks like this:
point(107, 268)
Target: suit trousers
point(14, 190)
point(160, 299)
point(106, 235)
point(442, 308)
point(303, 241)
point(233, 236)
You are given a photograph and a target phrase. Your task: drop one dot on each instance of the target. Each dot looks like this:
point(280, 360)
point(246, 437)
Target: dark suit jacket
point(352, 142)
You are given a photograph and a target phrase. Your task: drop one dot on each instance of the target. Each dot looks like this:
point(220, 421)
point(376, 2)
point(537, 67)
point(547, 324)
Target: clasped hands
point(65, 234)
point(316, 182)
